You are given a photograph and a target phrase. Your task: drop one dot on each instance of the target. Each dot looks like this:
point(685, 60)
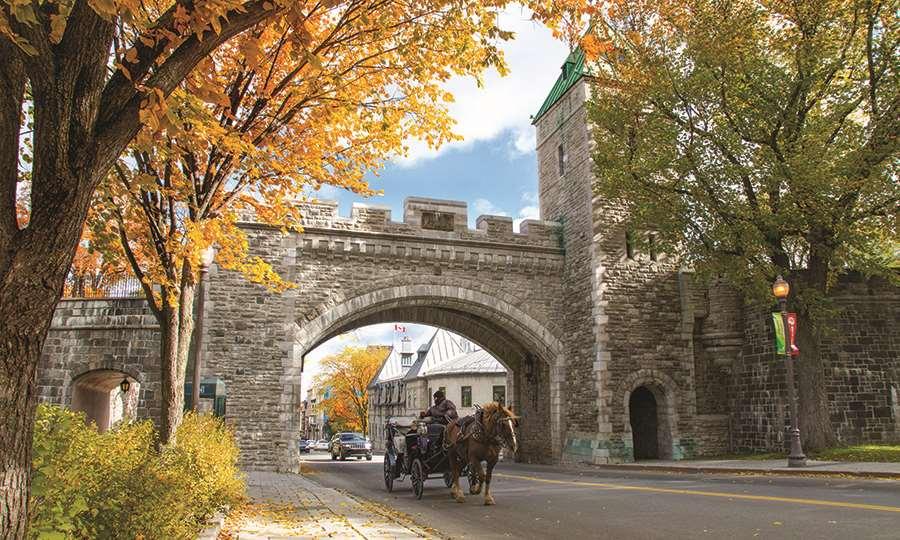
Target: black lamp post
point(206, 259)
point(796, 458)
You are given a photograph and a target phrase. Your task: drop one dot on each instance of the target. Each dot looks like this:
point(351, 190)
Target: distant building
point(313, 417)
point(405, 383)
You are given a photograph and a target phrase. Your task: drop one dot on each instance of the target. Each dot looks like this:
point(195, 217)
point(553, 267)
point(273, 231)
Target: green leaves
point(738, 134)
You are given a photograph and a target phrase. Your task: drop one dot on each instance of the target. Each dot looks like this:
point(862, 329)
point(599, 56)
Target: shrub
point(87, 484)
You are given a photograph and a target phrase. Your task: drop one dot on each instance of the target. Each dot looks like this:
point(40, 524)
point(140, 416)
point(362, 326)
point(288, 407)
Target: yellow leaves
point(153, 109)
point(107, 9)
point(347, 375)
point(593, 46)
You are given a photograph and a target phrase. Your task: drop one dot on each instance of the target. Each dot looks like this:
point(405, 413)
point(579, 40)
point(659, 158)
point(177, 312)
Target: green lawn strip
point(886, 453)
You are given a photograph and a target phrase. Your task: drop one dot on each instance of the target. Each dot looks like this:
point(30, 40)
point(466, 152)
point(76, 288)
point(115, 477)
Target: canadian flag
point(399, 328)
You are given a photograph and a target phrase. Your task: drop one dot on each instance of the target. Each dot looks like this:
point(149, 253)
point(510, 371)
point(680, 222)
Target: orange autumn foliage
point(346, 376)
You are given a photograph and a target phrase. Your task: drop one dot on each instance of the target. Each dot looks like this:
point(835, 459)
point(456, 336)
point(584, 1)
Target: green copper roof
point(572, 70)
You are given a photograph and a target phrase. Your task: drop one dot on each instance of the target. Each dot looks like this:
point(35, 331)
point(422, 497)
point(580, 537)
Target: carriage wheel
point(417, 475)
point(388, 473)
point(448, 479)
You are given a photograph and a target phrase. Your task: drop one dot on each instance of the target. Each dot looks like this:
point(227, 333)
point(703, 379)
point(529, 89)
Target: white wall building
point(405, 383)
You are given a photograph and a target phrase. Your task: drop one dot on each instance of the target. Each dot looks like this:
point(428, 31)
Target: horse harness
point(477, 431)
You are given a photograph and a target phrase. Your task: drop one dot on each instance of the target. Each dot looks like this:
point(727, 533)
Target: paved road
point(544, 502)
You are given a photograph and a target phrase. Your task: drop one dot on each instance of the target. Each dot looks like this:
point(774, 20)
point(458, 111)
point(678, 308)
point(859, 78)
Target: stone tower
point(629, 321)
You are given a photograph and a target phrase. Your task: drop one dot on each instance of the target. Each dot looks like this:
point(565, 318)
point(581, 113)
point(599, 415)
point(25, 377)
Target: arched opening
point(529, 351)
point(644, 423)
point(99, 394)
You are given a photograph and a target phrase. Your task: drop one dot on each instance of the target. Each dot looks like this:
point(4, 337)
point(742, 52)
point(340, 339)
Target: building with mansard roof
point(406, 381)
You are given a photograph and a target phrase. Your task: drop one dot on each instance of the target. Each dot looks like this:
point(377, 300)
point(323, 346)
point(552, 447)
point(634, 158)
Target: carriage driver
point(443, 410)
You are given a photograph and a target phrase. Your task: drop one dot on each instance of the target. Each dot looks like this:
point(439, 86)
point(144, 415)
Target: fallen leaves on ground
point(277, 519)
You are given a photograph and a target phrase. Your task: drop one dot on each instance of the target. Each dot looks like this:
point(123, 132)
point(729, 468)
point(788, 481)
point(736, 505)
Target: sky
point(493, 168)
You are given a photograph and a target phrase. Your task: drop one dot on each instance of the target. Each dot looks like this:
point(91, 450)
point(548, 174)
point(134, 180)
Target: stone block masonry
point(89, 335)
point(613, 349)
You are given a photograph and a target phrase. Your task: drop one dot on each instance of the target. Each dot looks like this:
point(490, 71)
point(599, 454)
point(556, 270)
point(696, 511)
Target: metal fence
point(102, 287)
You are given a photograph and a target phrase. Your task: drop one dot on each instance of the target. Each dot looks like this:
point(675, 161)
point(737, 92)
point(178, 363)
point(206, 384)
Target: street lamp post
point(796, 458)
point(206, 259)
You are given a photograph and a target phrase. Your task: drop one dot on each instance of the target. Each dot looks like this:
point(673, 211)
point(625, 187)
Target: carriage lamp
point(780, 288)
point(124, 386)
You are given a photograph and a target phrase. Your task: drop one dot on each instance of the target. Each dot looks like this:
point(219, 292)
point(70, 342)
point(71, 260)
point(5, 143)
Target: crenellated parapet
point(426, 219)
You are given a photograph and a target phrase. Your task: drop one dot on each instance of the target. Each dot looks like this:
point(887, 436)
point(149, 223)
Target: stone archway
point(525, 344)
point(97, 393)
point(654, 393)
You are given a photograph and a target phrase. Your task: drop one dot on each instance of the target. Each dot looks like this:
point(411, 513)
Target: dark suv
point(350, 444)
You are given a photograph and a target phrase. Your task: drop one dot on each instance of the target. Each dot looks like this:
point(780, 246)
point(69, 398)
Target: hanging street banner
point(779, 333)
point(785, 338)
point(792, 334)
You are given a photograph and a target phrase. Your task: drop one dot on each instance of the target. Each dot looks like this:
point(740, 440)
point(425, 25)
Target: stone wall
point(566, 197)
point(861, 354)
point(498, 288)
point(87, 335)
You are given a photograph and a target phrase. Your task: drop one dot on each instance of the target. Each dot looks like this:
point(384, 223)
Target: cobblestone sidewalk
point(290, 506)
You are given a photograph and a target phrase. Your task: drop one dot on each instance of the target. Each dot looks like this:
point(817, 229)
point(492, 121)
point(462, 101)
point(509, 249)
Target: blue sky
point(493, 168)
point(490, 175)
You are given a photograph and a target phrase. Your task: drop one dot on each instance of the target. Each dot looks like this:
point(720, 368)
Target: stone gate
point(582, 310)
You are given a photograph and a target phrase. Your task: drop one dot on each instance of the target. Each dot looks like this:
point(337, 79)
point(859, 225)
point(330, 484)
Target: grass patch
point(889, 453)
point(886, 453)
point(743, 457)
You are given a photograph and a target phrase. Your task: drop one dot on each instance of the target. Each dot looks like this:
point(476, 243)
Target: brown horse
point(479, 440)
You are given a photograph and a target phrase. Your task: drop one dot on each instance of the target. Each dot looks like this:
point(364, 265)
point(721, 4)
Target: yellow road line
point(814, 502)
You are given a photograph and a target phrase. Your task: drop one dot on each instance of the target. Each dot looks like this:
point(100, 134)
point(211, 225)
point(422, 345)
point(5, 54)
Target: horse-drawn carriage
point(415, 448)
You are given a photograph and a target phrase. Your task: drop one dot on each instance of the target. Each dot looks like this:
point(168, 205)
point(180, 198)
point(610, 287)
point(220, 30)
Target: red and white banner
point(792, 334)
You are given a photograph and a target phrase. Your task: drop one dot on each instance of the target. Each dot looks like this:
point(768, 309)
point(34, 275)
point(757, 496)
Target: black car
point(304, 446)
point(344, 445)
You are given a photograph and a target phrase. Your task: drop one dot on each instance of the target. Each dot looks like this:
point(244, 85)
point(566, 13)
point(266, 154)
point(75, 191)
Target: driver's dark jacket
point(444, 410)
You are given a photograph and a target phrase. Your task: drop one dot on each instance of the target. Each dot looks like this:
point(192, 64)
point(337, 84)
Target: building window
point(499, 394)
point(561, 159)
point(629, 245)
point(466, 396)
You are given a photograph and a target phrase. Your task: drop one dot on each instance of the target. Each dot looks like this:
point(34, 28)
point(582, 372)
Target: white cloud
point(504, 103)
point(529, 211)
point(484, 207)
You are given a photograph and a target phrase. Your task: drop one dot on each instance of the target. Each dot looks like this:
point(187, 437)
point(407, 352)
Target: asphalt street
point(535, 501)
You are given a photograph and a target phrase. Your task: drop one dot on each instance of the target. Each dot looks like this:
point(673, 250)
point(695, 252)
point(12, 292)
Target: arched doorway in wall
point(99, 394)
point(644, 417)
point(527, 347)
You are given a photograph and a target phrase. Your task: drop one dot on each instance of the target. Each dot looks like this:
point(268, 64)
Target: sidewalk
point(768, 466)
point(287, 506)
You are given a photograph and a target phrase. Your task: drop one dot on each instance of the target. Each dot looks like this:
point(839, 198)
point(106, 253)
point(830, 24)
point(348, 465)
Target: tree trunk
point(18, 398)
point(177, 325)
point(171, 378)
point(816, 430)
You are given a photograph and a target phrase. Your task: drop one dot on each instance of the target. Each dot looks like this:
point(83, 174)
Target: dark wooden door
point(642, 407)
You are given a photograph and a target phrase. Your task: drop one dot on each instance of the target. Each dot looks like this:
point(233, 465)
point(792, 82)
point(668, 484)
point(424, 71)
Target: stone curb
point(800, 472)
point(214, 525)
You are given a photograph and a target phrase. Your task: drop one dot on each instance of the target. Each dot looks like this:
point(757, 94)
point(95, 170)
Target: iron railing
point(102, 287)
